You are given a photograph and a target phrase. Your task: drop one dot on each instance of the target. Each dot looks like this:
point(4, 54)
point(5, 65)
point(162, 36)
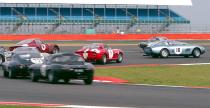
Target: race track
point(101, 94)
point(134, 55)
point(76, 93)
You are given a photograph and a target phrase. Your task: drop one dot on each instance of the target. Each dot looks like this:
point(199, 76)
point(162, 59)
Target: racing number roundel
point(178, 50)
point(43, 46)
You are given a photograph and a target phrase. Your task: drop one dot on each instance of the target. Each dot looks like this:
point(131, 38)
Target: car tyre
point(5, 74)
point(2, 59)
point(196, 53)
point(104, 59)
point(164, 53)
point(11, 74)
point(66, 80)
point(89, 80)
point(120, 58)
point(34, 77)
point(52, 78)
point(55, 50)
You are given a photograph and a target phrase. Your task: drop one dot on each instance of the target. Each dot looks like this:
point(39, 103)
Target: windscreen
point(24, 42)
point(91, 46)
point(68, 59)
point(25, 49)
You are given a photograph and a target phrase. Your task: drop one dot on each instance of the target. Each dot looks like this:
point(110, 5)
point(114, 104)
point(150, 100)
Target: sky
point(198, 14)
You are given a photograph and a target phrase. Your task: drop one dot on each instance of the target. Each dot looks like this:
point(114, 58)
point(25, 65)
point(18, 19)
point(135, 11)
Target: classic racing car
point(151, 41)
point(41, 46)
point(64, 66)
point(20, 61)
point(2, 55)
point(99, 52)
point(174, 48)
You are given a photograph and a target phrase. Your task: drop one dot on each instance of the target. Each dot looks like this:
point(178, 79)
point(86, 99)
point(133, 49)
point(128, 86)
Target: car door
point(109, 51)
point(176, 48)
point(41, 46)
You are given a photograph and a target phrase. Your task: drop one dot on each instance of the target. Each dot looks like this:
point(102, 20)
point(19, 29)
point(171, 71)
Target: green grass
point(161, 75)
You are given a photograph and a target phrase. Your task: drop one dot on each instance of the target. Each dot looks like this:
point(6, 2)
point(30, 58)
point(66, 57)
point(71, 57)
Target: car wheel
point(52, 78)
point(104, 59)
point(34, 77)
point(66, 80)
point(120, 58)
point(55, 50)
point(5, 74)
point(11, 73)
point(89, 80)
point(196, 53)
point(164, 53)
point(2, 59)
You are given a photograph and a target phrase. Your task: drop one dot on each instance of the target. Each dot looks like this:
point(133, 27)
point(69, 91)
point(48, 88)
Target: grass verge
point(161, 75)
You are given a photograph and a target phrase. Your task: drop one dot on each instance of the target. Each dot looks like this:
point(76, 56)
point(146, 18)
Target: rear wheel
point(196, 53)
point(164, 53)
point(52, 78)
point(34, 77)
point(104, 59)
point(66, 80)
point(2, 59)
point(55, 50)
point(120, 58)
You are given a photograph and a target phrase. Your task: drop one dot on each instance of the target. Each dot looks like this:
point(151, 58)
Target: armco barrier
point(86, 37)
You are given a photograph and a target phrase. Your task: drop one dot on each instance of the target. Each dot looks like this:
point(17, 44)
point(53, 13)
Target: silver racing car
point(167, 48)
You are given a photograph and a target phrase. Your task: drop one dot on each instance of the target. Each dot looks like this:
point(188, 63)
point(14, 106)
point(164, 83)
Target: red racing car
point(41, 46)
point(99, 52)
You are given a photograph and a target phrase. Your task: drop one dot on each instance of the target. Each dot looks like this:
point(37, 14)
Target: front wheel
point(55, 50)
point(52, 78)
point(5, 74)
point(164, 53)
point(120, 58)
point(89, 80)
point(196, 53)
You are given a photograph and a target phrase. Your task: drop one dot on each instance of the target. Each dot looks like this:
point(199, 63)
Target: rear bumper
point(73, 75)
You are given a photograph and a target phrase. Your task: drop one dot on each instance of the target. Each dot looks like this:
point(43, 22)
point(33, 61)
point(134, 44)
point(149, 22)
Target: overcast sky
point(199, 13)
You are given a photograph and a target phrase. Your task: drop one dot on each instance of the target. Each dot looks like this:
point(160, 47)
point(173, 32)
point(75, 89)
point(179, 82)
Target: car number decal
point(43, 46)
point(111, 53)
point(178, 50)
point(43, 70)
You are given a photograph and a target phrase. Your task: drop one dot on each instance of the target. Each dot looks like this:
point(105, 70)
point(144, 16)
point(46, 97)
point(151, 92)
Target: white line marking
point(193, 64)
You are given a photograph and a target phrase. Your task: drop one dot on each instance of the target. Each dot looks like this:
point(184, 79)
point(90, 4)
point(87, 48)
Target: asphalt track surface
point(134, 55)
point(101, 94)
